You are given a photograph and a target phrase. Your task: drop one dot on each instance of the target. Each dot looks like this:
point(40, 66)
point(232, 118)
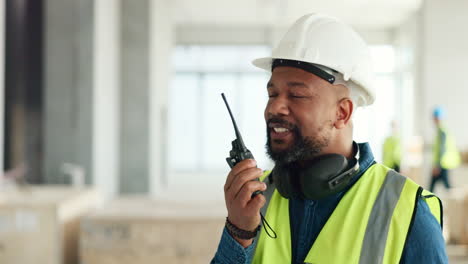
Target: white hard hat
point(330, 44)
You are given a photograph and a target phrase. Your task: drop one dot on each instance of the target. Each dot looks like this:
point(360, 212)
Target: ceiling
point(364, 14)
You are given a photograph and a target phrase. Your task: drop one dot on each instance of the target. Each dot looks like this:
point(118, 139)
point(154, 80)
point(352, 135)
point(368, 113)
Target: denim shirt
point(425, 243)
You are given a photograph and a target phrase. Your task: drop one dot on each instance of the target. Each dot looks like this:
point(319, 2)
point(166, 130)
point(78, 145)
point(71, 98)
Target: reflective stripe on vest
point(366, 226)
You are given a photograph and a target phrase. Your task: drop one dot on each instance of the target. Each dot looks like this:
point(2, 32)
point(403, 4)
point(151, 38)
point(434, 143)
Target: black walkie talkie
point(239, 152)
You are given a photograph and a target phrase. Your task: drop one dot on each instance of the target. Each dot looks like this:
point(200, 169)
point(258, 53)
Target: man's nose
point(278, 106)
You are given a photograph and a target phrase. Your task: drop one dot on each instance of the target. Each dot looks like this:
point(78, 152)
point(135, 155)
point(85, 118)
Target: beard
point(302, 148)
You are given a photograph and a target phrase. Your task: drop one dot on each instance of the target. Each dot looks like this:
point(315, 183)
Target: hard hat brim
point(263, 63)
point(266, 62)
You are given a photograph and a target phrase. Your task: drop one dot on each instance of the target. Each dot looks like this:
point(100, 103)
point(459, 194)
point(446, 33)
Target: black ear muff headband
point(309, 67)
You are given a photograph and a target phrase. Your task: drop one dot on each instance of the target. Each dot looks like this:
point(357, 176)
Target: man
point(326, 200)
point(392, 149)
point(445, 153)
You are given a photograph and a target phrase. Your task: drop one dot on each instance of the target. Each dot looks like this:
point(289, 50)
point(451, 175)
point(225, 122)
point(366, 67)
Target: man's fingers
point(245, 193)
point(256, 203)
point(241, 166)
point(241, 179)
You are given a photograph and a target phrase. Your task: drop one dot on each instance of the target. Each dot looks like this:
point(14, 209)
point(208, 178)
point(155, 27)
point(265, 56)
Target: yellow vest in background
point(451, 157)
point(392, 152)
point(369, 225)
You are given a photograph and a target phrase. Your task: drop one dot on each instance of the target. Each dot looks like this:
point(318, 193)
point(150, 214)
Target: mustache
point(285, 123)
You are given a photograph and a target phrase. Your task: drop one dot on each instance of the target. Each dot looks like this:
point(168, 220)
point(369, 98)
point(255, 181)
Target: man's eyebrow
point(297, 84)
point(290, 84)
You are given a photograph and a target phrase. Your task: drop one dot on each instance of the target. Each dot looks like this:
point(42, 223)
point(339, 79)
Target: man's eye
point(297, 96)
point(272, 95)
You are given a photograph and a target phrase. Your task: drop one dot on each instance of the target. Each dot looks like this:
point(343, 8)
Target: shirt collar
point(366, 158)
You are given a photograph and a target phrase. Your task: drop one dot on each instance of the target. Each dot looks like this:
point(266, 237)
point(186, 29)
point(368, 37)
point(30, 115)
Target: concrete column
point(162, 32)
point(81, 91)
point(106, 96)
point(68, 105)
point(134, 77)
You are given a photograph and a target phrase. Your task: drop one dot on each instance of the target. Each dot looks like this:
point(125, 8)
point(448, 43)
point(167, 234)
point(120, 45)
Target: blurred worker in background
point(445, 153)
point(392, 149)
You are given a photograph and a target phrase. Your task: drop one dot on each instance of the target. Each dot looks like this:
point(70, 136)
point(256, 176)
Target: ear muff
point(323, 176)
point(327, 175)
point(283, 181)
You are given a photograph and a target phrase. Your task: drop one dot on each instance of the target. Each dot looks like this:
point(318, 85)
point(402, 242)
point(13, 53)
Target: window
point(372, 123)
point(200, 130)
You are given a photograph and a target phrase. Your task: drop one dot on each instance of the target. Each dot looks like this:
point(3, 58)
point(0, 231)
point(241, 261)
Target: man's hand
point(435, 172)
point(243, 209)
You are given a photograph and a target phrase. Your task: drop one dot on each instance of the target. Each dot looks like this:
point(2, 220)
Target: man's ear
point(344, 111)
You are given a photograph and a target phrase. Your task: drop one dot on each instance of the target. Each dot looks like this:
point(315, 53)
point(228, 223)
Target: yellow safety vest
point(451, 157)
point(369, 225)
point(391, 152)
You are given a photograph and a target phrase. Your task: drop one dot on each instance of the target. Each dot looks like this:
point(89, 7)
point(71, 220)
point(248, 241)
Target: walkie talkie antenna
point(238, 135)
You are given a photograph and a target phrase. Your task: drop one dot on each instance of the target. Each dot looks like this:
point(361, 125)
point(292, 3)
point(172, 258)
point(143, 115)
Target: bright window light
point(372, 123)
point(383, 58)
